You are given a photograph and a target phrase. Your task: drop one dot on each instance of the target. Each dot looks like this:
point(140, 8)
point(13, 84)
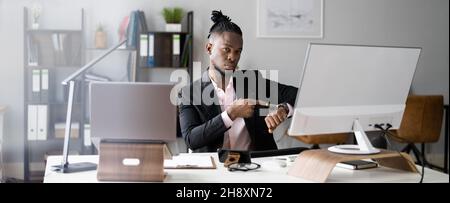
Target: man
point(230, 119)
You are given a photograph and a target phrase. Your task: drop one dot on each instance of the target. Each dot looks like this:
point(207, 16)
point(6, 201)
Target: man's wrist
point(226, 119)
point(230, 114)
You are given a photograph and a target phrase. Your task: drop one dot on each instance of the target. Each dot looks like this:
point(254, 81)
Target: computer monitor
point(132, 111)
point(351, 88)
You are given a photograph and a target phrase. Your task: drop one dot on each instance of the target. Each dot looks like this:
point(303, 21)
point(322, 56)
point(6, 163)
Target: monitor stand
point(364, 146)
point(316, 165)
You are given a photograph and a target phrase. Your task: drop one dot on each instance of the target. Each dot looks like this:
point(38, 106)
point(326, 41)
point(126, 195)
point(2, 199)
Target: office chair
point(421, 123)
point(316, 140)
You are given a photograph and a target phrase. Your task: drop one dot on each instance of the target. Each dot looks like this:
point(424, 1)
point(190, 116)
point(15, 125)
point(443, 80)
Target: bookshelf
point(51, 55)
point(165, 50)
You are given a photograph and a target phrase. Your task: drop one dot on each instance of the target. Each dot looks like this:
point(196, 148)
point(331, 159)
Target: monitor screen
point(346, 84)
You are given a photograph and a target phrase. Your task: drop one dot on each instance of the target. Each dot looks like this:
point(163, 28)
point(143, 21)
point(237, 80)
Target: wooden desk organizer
point(147, 161)
point(316, 165)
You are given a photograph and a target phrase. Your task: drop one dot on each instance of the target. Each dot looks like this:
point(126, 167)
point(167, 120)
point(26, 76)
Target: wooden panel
point(316, 165)
point(112, 156)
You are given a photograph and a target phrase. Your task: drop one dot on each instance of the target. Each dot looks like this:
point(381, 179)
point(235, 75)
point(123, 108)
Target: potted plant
point(173, 17)
point(36, 11)
point(100, 37)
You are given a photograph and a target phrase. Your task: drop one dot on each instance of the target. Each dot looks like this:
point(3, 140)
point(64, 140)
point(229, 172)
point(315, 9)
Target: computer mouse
point(274, 164)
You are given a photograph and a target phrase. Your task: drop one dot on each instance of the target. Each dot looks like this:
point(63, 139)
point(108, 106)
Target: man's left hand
point(275, 118)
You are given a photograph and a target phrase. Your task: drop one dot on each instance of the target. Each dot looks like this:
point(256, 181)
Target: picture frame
point(289, 19)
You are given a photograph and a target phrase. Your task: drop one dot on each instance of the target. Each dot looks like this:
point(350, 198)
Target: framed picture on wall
point(289, 18)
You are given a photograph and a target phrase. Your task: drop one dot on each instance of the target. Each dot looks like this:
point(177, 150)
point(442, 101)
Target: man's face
point(225, 50)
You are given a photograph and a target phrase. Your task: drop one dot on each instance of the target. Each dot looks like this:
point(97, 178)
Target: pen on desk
point(187, 166)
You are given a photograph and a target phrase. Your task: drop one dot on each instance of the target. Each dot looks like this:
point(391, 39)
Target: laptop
point(135, 111)
point(129, 119)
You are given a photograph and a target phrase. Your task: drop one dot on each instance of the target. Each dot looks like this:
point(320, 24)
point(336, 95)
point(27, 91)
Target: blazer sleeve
point(197, 130)
point(286, 93)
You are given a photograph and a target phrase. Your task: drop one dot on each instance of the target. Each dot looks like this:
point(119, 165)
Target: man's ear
point(209, 48)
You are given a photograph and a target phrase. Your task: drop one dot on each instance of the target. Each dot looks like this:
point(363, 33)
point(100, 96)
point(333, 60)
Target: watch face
point(283, 105)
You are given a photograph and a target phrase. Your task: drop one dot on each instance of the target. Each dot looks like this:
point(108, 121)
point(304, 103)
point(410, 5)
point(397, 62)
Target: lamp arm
point(65, 167)
point(68, 128)
point(91, 63)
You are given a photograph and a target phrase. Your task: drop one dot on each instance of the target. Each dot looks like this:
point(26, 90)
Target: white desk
point(265, 174)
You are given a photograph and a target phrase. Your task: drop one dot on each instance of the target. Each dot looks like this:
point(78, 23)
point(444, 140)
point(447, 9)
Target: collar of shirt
point(225, 97)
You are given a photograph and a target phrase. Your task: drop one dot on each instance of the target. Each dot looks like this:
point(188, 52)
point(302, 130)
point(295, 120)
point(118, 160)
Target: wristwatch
point(285, 106)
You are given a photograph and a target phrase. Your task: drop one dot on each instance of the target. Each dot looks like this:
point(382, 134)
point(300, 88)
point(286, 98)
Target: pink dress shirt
point(237, 137)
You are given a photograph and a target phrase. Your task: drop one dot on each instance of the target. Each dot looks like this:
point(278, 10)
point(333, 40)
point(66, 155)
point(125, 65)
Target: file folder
point(87, 135)
point(190, 162)
point(32, 122)
point(35, 85)
point(44, 85)
point(151, 53)
point(143, 45)
point(42, 124)
point(175, 50)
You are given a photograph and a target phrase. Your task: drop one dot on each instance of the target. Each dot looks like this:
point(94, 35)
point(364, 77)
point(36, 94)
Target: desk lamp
point(65, 167)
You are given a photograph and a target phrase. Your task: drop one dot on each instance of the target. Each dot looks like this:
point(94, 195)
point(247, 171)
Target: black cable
point(277, 152)
point(386, 132)
point(420, 159)
point(423, 165)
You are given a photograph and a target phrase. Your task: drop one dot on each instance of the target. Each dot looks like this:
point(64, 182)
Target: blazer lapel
point(212, 108)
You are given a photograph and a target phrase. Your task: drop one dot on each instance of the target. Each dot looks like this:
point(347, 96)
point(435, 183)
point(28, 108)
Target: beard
point(222, 74)
point(219, 70)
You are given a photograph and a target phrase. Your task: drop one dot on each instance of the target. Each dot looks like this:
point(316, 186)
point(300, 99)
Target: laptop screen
point(132, 111)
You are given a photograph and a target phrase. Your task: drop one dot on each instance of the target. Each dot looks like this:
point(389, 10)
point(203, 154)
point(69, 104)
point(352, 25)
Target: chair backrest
point(422, 119)
point(324, 139)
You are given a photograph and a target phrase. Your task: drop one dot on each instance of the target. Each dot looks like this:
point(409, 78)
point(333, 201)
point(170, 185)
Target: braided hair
point(222, 23)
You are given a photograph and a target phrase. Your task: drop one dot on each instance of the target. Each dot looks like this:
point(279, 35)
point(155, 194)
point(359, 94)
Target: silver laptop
point(132, 111)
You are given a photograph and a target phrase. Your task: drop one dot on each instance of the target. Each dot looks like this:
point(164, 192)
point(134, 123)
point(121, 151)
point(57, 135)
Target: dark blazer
point(201, 124)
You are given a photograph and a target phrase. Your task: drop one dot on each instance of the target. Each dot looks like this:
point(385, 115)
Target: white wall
point(11, 83)
point(419, 23)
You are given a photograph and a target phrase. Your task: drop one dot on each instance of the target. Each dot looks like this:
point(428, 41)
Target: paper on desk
point(190, 162)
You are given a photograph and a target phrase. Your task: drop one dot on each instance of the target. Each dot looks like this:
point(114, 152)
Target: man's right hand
point(242, 108)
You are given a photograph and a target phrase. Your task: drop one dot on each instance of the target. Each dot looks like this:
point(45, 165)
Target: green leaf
point(173, 15)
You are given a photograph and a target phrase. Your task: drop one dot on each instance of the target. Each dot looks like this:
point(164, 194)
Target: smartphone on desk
point(357, 164)
point(244, 156)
